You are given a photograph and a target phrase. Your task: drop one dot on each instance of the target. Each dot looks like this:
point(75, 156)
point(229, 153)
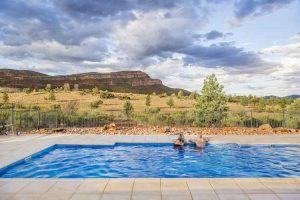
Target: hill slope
point(123, 81)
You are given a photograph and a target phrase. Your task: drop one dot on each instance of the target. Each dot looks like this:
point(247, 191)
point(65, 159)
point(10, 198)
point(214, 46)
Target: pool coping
point(14, 148)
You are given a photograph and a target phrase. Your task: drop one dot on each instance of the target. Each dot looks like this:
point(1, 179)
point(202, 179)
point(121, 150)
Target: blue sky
point(253, 46)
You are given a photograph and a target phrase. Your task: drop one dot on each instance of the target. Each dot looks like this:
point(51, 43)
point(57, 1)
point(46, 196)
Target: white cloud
point(157, 31)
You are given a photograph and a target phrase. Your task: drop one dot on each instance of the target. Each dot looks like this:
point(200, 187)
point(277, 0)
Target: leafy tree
point(261, 104)
point(170, 102)
point(295, 106)
point(210, 108)
point(27, 90)
point(244, 101)
point(180, 94)
point(272, 101)
point(52, 96)
point(95, 91)
point(148, 100)
point(193, 95)
point(5, 97)
point(128, 109)
point(254, 100)
point(283, 103)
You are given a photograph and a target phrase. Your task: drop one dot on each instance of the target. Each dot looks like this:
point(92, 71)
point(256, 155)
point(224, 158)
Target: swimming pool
point(158, 161)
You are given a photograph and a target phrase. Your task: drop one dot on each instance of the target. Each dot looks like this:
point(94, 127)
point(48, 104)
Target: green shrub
point(170, 102)
point(236, 119)
point(148, 100)
point(292, 121)
point(180, 94)
point(52, 96)
point(150, 110)
point(193, 95)
point(55, 107)
point(96, 104)
point(128, 109)
point(5, 97)
point(27, 90)
point(71, 107)
point(19, 106)
point(106, 95)
point(124, 97)
point(95, 91)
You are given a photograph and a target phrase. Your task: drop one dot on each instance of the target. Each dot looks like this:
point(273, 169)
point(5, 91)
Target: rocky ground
point(111, 129)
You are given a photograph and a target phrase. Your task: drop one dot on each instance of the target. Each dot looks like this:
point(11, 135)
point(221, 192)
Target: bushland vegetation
point(210, 107)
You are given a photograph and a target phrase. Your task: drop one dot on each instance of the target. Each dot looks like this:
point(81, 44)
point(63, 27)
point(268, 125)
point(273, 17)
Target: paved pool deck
point(13, 148)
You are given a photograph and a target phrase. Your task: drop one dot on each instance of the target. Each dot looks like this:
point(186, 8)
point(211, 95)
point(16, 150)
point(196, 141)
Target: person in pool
point(200, 141)
point(180, 141)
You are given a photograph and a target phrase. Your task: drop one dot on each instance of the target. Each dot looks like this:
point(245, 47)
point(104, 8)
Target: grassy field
point(113, 105)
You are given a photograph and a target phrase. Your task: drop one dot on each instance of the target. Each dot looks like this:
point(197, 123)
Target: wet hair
point(181, 137)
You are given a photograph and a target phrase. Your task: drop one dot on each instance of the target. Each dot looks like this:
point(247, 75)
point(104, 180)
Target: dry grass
point(114, 105)
point(109, 105)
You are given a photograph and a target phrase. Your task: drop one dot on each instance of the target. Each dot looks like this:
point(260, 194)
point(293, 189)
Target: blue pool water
point(158, 160)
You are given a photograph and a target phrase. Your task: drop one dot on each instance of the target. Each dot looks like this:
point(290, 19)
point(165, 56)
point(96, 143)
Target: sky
point(253, 46)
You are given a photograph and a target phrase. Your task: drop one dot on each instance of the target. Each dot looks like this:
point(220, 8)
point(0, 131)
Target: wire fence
point(24, 120)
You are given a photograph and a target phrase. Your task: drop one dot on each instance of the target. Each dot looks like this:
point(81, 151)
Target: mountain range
point(122, 81)
point(293, 96)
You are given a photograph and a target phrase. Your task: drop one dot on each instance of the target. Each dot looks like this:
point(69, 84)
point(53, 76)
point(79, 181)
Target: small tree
point(128, 109)
point(283, 103)
point(244, 101)
point(5, 97)
point(295, 106)
point(170, 102)
point(210, 108)
point(261, 104)
point(66, 87)
point(148, 100)
point(193, 95)
point(48, 87)
point(52, 96)
point(254, 100)
point(180, 94)
point(95, 91)
point(27, 90)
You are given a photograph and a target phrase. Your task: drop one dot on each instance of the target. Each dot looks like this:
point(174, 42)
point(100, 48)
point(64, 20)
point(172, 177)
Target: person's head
point(181, 136)
point(200, 135)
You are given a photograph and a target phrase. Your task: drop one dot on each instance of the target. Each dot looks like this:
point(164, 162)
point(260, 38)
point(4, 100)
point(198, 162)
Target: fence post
point(283, 118)
point(12, 119)
point(251, 122)
point(39, 119)
point(56, 118)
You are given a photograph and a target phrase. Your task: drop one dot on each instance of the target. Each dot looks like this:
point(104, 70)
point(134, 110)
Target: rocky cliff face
point(123, 81)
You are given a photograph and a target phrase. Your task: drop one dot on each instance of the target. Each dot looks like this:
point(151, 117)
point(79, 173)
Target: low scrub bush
point(96, 104)
point(106, 95)
point(71, 107)
point(124, 97)
point(163, 95)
